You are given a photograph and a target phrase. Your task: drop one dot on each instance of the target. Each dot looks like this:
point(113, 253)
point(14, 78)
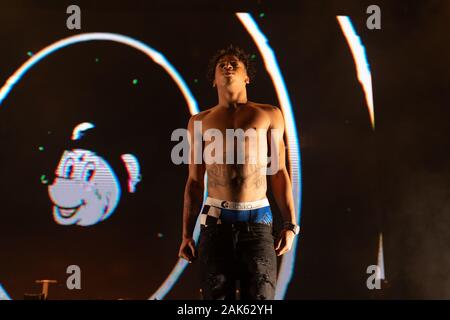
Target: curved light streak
point(99, 36)
point(286, 269)
point(133, 169)
point(181, 263)
point(361, 62)
point(79, 130)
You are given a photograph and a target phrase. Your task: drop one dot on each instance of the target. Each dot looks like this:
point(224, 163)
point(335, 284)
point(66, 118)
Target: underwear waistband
point(224, 204)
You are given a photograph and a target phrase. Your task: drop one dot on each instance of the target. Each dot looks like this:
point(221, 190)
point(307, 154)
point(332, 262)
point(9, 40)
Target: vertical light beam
point(380, 260)
point(3, 294)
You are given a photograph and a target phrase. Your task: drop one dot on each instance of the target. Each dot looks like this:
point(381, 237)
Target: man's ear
point(214, 83)
point(247, 80)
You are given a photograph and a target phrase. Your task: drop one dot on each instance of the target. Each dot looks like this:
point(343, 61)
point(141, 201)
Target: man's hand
point(187, 250)
point(284, 242)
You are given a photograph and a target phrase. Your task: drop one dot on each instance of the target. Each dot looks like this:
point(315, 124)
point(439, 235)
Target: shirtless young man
point(236, 241)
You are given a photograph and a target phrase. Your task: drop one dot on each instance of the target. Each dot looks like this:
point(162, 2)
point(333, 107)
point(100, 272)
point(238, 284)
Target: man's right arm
point(193, 198)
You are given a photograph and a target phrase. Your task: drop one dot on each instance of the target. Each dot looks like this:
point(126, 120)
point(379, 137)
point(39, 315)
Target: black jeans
point(240, 251)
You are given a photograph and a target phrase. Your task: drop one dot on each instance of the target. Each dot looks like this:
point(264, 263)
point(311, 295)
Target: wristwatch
point(293, 227)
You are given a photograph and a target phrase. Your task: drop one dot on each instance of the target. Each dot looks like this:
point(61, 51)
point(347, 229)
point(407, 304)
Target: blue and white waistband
point(237, 205)
point(217, 211)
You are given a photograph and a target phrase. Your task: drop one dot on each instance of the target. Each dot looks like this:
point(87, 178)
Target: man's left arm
point(281, 183)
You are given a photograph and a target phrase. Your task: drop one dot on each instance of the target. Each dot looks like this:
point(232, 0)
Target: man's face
point(230, 70)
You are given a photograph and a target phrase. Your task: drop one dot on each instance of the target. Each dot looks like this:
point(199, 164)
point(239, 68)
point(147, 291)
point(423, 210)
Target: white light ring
point(155, 56)
point(286, 268)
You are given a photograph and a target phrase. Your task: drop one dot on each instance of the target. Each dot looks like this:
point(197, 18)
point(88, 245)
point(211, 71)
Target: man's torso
point(242, 175)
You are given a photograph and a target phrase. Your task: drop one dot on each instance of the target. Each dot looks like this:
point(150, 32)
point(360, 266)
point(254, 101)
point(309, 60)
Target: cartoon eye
point(89, 171)
point(68, 168)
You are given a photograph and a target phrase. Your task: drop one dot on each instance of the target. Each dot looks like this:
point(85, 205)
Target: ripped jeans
point(241, 251)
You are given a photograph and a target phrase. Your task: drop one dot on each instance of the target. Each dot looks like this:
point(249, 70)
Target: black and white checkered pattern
point(210, 215)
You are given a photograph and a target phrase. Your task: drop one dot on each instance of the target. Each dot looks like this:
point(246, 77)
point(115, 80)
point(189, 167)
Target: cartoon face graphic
point(85, 190)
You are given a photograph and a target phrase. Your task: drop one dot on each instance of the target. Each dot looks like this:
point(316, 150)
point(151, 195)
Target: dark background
point(356, 182)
